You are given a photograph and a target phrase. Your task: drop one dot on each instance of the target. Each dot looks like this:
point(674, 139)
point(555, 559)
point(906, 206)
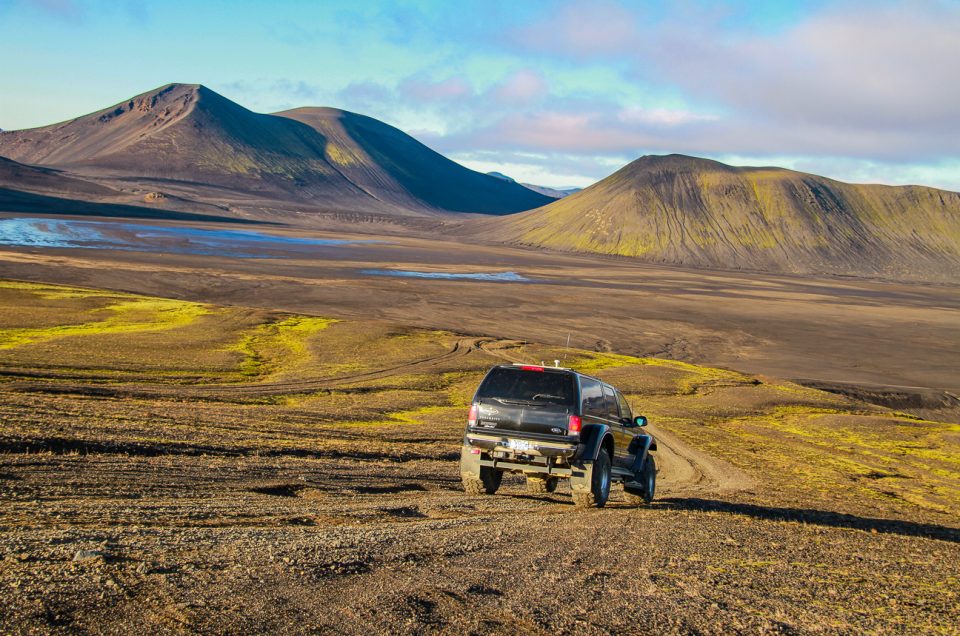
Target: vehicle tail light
point(474, 414)
point(530, 367)
point(474, 451)
point(575, 424)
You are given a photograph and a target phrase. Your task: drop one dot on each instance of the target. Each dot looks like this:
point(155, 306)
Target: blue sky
point(551, 92)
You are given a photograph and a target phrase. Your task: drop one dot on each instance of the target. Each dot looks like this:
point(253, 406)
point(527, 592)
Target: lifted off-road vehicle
point(550, 423)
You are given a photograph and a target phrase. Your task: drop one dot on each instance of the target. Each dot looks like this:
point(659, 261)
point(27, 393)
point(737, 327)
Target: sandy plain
point(197, 442)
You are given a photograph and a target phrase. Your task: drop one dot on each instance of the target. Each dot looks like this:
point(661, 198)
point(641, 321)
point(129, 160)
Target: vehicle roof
point(518, 365)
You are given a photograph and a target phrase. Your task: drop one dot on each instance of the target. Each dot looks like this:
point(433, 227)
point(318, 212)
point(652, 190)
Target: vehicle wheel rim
point(605, 482)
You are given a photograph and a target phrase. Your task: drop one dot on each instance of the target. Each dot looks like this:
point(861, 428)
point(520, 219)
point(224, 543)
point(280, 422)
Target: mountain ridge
point(190, 133)
point(553, 193)
point(702, 213)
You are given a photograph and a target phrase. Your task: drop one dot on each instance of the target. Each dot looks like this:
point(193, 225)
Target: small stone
point(86, 555)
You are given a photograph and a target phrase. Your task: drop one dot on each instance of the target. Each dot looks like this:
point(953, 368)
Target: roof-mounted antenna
point(567, 350)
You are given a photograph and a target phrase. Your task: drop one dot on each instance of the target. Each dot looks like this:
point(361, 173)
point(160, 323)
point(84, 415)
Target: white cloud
point(660, 116)
point(581, 28)
point(874, 80)
point(523, 87)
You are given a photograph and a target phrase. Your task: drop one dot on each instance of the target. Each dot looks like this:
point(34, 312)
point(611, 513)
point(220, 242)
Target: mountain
point(553, 193)
point(19, 176)
point(689, 211)
point(329, 158)
point(388, 164)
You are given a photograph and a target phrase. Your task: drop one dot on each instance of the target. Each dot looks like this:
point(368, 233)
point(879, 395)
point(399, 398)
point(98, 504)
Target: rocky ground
point(179, 468)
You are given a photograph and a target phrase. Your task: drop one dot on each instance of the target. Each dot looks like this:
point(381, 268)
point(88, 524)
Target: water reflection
point(35, 232)
point(508, 277)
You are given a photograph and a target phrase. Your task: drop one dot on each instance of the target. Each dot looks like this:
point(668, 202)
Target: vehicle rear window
point(625, 411)
point(610, 402)
point(592, 395)
point(529, 386)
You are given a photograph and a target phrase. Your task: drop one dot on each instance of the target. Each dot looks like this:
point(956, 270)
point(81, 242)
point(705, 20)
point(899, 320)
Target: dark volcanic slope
point(20, 176)
point(684, 210)
point(190, 133)
point(389, 163)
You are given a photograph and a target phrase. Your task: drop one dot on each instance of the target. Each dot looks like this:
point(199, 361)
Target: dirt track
point(686, 471)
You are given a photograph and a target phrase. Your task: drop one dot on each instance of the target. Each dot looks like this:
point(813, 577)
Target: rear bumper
point(543, 467)
point(544, 457)
point(499, 445)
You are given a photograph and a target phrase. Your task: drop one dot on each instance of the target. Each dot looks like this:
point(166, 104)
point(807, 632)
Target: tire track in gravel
point(461, 348)
point(685, 470)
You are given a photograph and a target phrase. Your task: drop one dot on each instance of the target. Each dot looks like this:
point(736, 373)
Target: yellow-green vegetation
point(281, 344)
point(343, 155)
point(803, 443)
point(686, 210)
point(690, 377)
point(121, 313)
point(264, 380)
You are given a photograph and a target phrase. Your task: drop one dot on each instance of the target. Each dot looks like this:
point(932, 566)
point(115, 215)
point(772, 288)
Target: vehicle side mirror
point(640, 420)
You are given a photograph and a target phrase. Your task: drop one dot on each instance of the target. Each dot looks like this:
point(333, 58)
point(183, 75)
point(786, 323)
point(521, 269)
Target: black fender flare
point(641, 447)
point(591, 441)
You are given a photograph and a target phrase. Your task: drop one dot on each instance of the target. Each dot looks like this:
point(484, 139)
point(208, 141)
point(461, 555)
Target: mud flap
point(581, 476)
point(469, 463)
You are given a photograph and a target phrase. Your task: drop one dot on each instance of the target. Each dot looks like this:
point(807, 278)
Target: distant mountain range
point(323, 156)
point(696, 212)
point(183, 151)
point(553, 193)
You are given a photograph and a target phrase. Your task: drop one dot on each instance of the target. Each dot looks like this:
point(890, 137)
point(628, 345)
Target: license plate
point(518, 444)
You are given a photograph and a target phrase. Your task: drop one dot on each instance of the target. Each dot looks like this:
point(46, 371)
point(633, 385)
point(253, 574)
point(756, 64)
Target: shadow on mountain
point(818, 517)
point(26, 202)
point(433, 178)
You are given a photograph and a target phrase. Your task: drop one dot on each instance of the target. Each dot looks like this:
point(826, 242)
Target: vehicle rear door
point(526, 401)
point(621, 435)
point(626, 419)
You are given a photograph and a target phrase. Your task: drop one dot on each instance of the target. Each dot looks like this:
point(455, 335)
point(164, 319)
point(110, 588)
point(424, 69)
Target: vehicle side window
point(592, 395)
point(611, 411)
point(625, 412)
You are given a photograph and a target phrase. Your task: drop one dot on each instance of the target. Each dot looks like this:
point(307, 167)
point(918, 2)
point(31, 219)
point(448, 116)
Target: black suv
point(550, 422)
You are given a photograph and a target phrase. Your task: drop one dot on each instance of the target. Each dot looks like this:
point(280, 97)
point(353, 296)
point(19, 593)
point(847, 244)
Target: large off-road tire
point(541, 485)
point(598, 484)
point(488, 483)
point(648, 485)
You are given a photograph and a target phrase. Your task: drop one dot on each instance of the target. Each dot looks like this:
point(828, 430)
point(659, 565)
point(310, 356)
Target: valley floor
point(172, 466)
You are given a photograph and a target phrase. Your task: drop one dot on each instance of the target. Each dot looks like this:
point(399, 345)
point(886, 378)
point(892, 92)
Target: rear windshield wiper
point(514, 401)
point(547, 396)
